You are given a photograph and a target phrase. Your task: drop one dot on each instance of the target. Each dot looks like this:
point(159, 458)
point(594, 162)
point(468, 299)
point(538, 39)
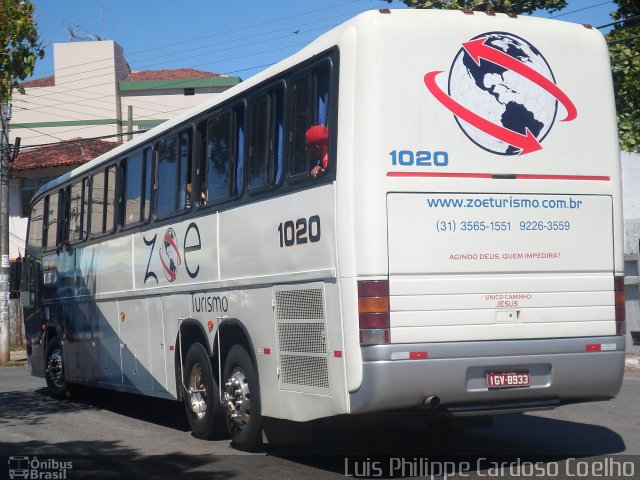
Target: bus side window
point(148, 184)
point(300, 121)
point(218, 164)
point(265, 140)
point(109, 214)
point(103, 196)
point(173, 173)
point(239, 150)
point(310, 99)
point(97, 203)
point(77, 212)
point(51, 225)
point(36, 218)
point(133, 189)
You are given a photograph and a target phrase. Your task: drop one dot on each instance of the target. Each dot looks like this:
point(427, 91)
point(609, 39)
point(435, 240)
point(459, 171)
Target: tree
point(19, 50)
point(504, 6)
point(624, 51)
point(19, 45)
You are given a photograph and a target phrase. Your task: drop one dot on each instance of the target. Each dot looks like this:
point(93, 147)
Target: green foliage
point(504, 6)
point(626, 8)
point(624, 51)
point(19, 45)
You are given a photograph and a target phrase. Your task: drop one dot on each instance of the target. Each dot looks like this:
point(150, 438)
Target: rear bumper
point(562, 371)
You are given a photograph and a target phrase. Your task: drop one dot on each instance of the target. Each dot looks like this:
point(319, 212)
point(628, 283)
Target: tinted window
point(218, 152)
point(110, 199)
point(310, 99)
point(77, 212)
point(36, 224)
point(173, 174)
point(265, 140)
point(52, 220)
point(103, 196)
point(133, 189)
point(97, 202)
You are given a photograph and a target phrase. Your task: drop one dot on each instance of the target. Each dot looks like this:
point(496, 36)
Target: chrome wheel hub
point(197, 391)
point(54, 368)
point(237, 399)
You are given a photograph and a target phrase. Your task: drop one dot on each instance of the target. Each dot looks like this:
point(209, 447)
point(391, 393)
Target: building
point(91, 103)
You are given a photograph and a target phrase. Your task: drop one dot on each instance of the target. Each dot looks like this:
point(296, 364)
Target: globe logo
point(502, 93)
point(169, 255)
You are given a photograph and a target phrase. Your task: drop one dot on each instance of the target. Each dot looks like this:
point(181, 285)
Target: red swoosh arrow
point(478, 49)
point(526, 143)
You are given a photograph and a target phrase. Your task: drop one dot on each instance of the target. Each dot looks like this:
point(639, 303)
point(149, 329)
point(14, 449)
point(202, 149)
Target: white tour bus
point(419, 212)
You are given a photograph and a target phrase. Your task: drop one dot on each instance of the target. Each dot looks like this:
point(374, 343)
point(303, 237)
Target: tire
point(54, 370)
point(241, 399)
point(202, 398)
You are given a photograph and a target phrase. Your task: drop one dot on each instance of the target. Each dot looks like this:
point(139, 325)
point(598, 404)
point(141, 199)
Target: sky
point(237, 38)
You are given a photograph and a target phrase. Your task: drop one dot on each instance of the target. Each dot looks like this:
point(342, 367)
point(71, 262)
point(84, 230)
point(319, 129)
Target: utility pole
point(4, 237)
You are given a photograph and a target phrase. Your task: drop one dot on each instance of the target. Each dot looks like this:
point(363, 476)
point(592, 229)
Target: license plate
point(508, 379)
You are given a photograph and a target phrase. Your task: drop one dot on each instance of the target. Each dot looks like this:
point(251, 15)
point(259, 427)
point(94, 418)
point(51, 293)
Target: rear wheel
point(201, 399)
point(54, 370)
point(241, 400)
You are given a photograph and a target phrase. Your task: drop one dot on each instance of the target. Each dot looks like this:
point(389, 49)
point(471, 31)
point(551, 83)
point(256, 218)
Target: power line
point(238, 29)
point(581, 9)
point(631, 21)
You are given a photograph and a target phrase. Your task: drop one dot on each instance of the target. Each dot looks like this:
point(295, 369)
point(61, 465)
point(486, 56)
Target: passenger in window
point(317, 143)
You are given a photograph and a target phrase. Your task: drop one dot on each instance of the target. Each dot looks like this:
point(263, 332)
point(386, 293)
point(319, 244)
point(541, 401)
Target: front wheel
point(202, 398)
point(54, 370)
point(241, 400)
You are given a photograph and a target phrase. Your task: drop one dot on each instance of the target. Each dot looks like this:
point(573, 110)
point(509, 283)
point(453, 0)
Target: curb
point(632, 363)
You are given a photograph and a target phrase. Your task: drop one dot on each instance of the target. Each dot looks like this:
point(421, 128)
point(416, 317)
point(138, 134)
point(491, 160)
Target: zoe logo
point(169, 253)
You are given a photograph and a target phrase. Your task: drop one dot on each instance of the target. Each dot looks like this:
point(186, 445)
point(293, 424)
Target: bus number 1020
point(421, 158)
point(300, 231)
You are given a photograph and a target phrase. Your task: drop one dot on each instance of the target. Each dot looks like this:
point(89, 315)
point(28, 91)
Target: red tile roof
point(176, 74)
point(61, 154)
point(40, 82)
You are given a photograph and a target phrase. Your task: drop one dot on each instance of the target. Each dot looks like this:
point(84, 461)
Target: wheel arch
point(190, 332)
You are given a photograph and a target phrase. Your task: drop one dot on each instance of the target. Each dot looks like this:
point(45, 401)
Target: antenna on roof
point(77, 32)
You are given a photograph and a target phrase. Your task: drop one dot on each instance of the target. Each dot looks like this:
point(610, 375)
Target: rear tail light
point(619, 303)
point(373, 312)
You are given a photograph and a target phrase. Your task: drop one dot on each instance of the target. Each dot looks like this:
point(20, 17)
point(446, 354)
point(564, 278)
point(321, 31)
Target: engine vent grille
point(302, 337)
point(307, 304)
point(302, 343)
point(302, 370)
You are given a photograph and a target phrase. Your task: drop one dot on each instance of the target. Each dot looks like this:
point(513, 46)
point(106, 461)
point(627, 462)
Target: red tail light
point(373, 312)
point(619, 303)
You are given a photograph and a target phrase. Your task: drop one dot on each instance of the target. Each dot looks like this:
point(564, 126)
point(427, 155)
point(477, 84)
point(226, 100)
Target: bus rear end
point(486, 246)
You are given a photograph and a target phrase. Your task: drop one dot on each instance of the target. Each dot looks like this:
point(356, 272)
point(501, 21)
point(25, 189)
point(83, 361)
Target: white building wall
point(631, 209)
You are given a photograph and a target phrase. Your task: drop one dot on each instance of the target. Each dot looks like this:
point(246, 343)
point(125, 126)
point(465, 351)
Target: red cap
point(318, 134)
